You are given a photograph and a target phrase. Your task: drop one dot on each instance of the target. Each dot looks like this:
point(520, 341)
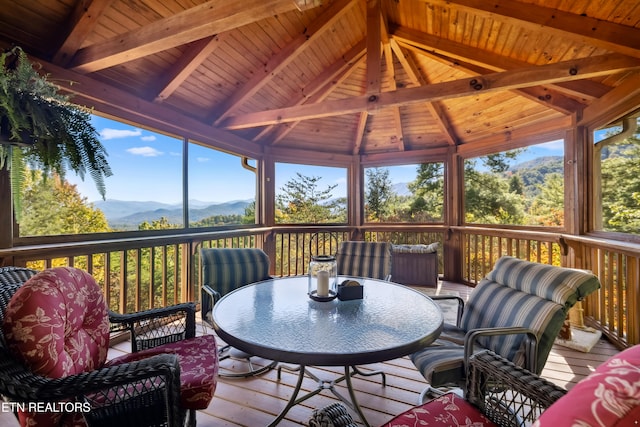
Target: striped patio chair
point(224, 270)
point(517, 312)
point(365, 259)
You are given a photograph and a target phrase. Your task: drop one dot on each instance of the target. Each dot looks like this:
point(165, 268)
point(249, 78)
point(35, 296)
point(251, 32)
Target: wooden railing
point(153, 271)
point(616, 307)
point(481, 248)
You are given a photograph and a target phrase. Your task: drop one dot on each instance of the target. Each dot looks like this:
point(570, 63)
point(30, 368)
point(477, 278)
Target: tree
point(621, 187)
point(52, 206)
point(548, 207)
point(302, 201)
point(379, 194)
point(428, 191)
point(488, 199)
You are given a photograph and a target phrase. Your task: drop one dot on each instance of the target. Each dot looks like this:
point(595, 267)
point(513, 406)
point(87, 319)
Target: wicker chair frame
point(140, 393)
point(507, 394)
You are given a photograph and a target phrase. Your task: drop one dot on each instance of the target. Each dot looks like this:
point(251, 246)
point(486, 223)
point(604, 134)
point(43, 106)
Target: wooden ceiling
point(340, 77)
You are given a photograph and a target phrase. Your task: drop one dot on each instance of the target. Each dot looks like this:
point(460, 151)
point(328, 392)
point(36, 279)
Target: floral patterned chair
point(53, 349)
point(499, 393)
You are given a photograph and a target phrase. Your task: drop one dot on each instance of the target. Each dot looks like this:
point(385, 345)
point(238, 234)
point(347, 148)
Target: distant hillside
point(532, 172)
point(128, 214)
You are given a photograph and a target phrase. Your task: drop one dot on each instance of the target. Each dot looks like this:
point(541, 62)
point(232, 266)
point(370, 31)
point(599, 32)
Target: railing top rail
point(511, 233)
point(626, 248)
point(102, 245)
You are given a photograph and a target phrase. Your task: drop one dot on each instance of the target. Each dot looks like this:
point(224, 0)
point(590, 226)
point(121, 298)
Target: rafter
point(109, 99)
point(391, 76)
point(81, 23)
point(447, 51)
point(607, 35)
point(434, 108)
point(546, 95)
point(201, 21)
point(514, 79)
point(318, 90)
point(282, 59)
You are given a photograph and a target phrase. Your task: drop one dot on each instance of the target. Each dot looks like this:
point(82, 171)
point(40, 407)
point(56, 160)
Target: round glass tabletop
point(277, 320)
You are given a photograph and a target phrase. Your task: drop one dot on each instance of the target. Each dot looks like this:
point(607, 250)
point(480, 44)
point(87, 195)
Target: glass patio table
point(275, 319)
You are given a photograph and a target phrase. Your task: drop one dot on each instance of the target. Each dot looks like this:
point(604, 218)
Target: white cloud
point(108, 133)
point(145, 151)
point(203, 159)
point(148, 138)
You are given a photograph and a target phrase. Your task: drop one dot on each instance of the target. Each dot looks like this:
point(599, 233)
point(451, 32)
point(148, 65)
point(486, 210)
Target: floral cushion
point(610, 396)
point(198, 368)
point(446, 410)
point(57, 323)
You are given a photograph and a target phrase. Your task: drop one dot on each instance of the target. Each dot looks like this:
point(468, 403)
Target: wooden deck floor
point(257, 401)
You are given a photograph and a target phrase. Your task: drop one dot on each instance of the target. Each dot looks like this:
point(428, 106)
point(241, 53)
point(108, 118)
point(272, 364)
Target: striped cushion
point(516, 293)
point(562, 285)
point(494, 305)
point(364, 259)
point(226, 269)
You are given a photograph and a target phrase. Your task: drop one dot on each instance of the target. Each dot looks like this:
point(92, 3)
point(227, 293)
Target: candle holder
point(323, 278)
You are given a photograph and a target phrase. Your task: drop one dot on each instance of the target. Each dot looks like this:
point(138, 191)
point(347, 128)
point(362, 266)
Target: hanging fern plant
point(41, 129)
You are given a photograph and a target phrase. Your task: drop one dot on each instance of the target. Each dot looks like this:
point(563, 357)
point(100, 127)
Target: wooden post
point(6, 211)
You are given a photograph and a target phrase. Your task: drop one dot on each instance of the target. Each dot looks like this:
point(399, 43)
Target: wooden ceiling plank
point(81, 23)
point(607, 35)
point(195, 55)
point(514, 79)
point(201, 21)
point(283, 58)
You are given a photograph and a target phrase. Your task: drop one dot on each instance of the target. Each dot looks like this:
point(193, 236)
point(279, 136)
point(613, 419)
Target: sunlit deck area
point(257, 401)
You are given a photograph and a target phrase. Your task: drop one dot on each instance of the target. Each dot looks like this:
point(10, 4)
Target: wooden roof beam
point(546, 95)
point(507, 80)
point(280, 60)
point(132, 108)
point(81, 23)
point(191, 59)
point(318, 90)
point(204, 20)
point(607, 35)
point(391, 75)
point(448, 51)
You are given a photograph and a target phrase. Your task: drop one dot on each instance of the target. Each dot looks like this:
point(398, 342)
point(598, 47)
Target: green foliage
point(378, 194)
point(52, 133)
point(489, 201)
point(158, 224)
point(302, 201)
point(52, 206)
point(621, 187)
point(547, 208)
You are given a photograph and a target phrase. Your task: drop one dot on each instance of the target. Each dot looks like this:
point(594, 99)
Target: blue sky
point(147, 166)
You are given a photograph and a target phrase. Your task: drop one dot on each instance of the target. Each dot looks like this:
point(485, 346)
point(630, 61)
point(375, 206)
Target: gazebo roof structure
point(339, 77)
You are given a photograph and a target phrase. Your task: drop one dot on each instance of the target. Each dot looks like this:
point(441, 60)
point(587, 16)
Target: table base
point(349, 371)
